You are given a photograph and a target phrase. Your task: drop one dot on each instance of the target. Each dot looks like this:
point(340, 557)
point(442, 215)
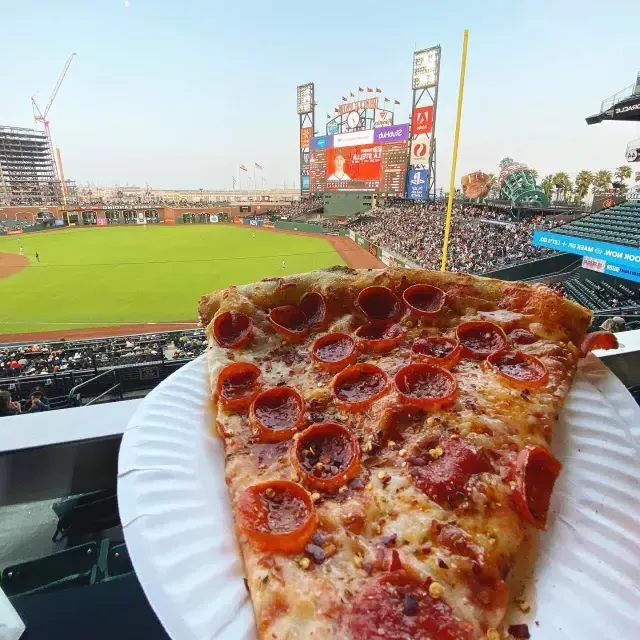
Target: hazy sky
point(178, 93)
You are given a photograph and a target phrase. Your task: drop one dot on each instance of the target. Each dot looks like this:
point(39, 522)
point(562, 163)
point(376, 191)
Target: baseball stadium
point(99, 290)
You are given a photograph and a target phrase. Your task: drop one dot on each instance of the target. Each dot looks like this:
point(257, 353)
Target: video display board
point(366, 160)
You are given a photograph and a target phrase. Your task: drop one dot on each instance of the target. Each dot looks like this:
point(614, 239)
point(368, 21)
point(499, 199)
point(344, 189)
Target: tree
point(602, 180)
point(562, 182)
point(534, 173)
point(583, 183)
point(547, 185)
point(622, 173)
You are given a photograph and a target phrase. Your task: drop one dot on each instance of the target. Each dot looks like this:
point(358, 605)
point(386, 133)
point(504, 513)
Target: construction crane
point(39, 116)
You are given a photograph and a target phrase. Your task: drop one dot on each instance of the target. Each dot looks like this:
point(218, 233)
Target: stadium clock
point(353, 119)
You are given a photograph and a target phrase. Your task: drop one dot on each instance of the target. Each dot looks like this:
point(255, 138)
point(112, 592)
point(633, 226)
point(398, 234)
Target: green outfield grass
point(133, 274)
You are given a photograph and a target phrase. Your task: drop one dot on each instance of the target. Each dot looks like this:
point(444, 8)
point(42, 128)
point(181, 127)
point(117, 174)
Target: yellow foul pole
point(456, 138)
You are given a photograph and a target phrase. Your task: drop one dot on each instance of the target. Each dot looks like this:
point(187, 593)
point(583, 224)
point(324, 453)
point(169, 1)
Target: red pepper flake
point(396, 563)
point(442, 564)
point(519, 631)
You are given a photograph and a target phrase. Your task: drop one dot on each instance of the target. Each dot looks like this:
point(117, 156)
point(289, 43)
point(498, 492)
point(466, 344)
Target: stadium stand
point(618, 225)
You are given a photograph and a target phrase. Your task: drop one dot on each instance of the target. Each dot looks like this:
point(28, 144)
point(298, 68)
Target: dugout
point(343, 204)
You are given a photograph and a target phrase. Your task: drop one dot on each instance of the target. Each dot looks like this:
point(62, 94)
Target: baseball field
point(103, 277)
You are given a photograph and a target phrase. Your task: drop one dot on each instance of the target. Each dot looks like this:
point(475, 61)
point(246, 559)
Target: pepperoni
point(359, 385)
point(238, 385)
point(598, 340)
point(479, 338)
point(334, 351)
point(232, 329)
point(424, 300)
point(289, 322)
point(379, 336)
point(442, 351)
point(397, 606)
point(519, 369)
point(379, 303)
point(277, 516)
point(276, 414)
point(313, 306)
point(326, 456)
point(443, 477)
point(425, 385)
point(536, 471)
point(522, 336)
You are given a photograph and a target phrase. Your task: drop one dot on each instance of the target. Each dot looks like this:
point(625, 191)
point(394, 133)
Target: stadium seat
point(73, 566)
point(85, 516)
point(118, 562)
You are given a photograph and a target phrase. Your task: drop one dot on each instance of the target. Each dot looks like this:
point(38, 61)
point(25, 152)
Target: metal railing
point(75, 399)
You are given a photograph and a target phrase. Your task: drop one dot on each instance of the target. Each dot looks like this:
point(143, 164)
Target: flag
point(360, 89)
point(328, 117)
point(369, 90)
point(258, 166)
point(344, 99)
point(396, 102)
point(337, 110)
point(378, 90)
point(243, 167)
point(387, 100)
point(351, 95)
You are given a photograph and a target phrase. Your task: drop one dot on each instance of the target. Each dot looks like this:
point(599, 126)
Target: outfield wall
point(390, 258)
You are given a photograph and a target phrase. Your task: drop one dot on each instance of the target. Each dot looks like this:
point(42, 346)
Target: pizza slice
point(386, 438)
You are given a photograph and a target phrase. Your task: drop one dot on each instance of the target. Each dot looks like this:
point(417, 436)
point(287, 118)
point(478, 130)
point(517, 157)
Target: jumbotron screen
point(366, 160)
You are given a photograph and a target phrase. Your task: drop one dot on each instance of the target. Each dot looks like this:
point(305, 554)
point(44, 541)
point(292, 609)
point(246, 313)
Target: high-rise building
point(27, 168)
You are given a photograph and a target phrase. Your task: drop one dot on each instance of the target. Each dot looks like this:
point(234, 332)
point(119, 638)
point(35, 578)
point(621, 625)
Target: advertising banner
point(102, 222)
point(14, 232)
point(305, 183)
point(352, 234)
point(268, 225)
point(422, 120)
point(387, 258)
point(170, 221)
point(373, 250)
point(417, 184)
point(353, 138)
point(353, 163)
point(358, 105)
point(237, 221)
point(420, 150)
point(333, 127)
point(305, 98)
point(394, 133)
point(620, 261)
point(58, 223)
point(322, 142)
point(141, 219)
point(305, 136)
point(594, 264)
point(425, 68)
point(213, 218)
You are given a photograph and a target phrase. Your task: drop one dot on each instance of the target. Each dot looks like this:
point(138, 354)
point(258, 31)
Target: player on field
point(284, 264)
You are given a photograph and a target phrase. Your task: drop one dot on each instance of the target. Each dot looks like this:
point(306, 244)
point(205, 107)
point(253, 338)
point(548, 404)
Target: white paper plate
point(178, 525)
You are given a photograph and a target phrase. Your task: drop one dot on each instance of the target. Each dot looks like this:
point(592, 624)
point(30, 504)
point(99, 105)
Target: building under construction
point(28, 174)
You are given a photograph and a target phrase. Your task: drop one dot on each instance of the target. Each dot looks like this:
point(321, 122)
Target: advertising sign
point(425, 68)
point(14, 232)
point(346, 107)
point(394, 133)
point(422, 120)
point(213, 218)
point(305, 136)
point(102, 222)
point(333, 127)
point(420, 150)
point(361, 162)
point(387, 258)
point(353, 138)
point(305, 98)
point(417, 184)
point(305, 182)
point(594, 264)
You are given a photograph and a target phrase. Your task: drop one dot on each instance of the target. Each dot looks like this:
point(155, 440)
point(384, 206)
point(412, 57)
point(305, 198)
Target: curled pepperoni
point(379, 303)
point(598, 340)
point(276, 414)
point(522, 336)
point(425, 385)
point(379, 336)
point(289, 322)
point(519, 369)
point(442, 351)
point(232, 329)
point(479, 338)
point(535, 474)
point(397, 605)
point(313, 306)
point(359, 385)
point(277, 516)
point(326, 456)
point(237, 385)
point(442, 471)
point(334, 351)
point(424, 300)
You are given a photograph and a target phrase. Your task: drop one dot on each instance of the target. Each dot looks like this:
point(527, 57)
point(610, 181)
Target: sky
point(177, 94)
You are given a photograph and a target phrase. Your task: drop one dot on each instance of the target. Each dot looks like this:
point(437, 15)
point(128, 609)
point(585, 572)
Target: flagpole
point(239, 179)
point(456, 139)
point(254, 179)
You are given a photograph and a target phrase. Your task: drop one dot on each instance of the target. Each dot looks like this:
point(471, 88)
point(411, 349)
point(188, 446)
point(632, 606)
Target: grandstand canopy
point(624, 105)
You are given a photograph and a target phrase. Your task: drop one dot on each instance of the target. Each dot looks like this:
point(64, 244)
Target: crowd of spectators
point(300, 208)
point(415, 231)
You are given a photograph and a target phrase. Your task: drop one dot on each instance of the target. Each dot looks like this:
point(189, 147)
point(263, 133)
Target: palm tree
point(534, 173)
point(562, 181)
point(602, 180)
point(547, 185)
point(622, 173)
point(583, 183)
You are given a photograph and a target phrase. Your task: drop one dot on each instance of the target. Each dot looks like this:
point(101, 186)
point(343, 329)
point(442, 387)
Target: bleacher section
point(602, 296)
point(617, 225)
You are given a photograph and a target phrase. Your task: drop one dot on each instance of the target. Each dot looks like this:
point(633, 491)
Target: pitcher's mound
point(11, 263)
